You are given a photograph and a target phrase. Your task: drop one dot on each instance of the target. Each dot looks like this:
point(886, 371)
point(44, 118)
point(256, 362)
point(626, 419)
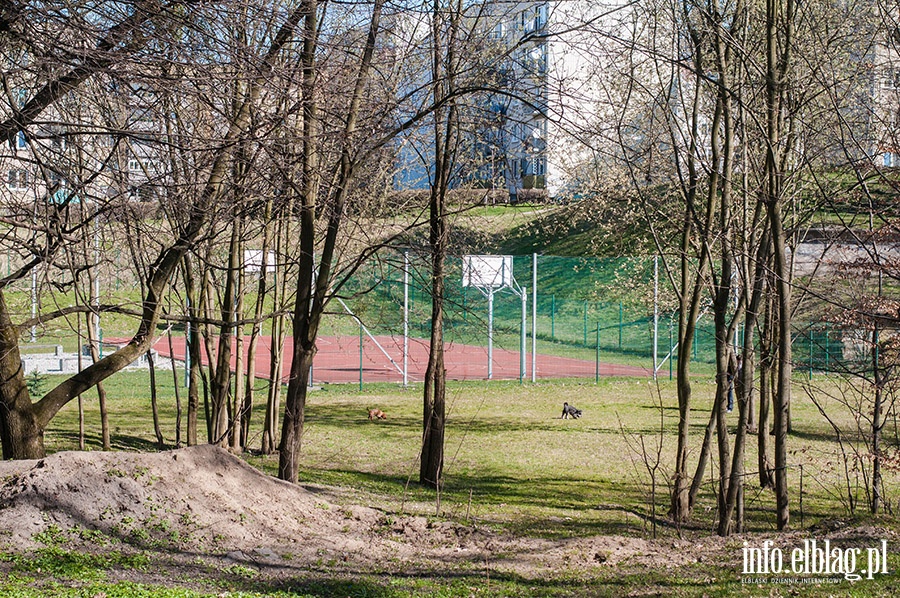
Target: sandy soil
point(202, 505)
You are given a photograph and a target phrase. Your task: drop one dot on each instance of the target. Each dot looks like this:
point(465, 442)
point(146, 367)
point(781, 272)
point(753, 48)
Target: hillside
point(578, 229)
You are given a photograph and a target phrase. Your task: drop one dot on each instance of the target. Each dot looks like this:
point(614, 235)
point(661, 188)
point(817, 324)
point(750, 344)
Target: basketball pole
point(405, 319)
point(523, 335)
point(655, 315)
point(490, 334)
point(482, 272)
point(534, 261)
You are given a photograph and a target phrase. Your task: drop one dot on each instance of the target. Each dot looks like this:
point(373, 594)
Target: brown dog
point(377, 414)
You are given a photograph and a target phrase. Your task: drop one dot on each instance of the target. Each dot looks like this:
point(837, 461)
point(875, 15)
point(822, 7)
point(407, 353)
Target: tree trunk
point(94, 344)
point(744, 391)
point(294, 411)
point(783, 371)
point(175, 384)
point(220, 397)
point(432, 458)
point(154, 406)
point(21, 433)
point(703, 459)
point(443, 73)
point(276, 350)
point(273, 398)
point(314, 284)
point(209, 388)
point(694, 231)
point(239, 416)
point(192, 349)
point(877, 423)
point(81, 444)
point(254, 335)
point(766, 376)
point(778, 47)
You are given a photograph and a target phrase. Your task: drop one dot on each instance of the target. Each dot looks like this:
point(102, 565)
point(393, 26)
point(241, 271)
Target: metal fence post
point(671, 350)
point(553, 317)
point(584, 325)
point(655, 313)
point(522, 335)
point(406, 319)
point(810, 352)
point(621, 315)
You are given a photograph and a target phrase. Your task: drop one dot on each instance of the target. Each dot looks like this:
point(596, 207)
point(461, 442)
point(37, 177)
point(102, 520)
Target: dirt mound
point(199, 499)
point(204, 500)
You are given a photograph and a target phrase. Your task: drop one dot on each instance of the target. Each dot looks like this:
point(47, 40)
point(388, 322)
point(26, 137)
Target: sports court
point(339, 361)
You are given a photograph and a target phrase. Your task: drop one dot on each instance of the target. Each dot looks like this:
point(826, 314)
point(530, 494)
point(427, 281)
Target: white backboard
point(487, 271)
point(253, 261)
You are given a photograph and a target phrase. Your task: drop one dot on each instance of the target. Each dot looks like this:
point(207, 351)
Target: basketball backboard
point(487, 271)
point(253, 261)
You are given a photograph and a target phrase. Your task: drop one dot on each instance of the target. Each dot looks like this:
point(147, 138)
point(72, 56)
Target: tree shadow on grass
point(477, 579)
point(343, 416)
point(94, 442)
point(569, 507)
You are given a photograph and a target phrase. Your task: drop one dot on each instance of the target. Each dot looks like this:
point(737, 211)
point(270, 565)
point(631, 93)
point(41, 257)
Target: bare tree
point(21, 420)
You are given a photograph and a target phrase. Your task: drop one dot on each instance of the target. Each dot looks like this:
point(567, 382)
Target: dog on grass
point(377, 414)
point(570, 410)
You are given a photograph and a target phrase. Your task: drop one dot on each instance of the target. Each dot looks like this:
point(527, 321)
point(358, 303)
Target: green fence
point(578, 301)
point(585, 307)
point(581, 303)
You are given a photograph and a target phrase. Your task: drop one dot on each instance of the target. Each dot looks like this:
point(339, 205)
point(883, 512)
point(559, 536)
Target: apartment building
point(503, 122)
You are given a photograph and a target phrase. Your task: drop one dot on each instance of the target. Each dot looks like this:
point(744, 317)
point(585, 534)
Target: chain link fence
point(584, 307)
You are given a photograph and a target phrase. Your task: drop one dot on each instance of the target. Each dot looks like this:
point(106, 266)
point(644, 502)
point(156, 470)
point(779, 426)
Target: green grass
point(507, 446)
point(511, 466)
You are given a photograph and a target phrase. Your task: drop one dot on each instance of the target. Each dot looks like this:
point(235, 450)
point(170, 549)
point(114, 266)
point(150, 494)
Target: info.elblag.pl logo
point(815, 558)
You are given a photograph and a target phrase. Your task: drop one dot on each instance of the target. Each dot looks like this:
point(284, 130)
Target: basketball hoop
point(490, 274)
point(488, 271)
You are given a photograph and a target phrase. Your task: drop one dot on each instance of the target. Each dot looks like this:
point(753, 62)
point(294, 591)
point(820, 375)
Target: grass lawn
point(514, 466)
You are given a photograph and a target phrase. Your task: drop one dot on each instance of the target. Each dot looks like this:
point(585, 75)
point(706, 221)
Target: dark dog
point(570, 410)
point(377, 414)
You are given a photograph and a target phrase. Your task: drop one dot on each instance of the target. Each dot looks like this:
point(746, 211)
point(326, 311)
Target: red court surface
point(338, 360)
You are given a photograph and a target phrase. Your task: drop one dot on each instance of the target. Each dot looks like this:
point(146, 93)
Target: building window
point(540, 17)
point(536, 59)
point(534, 19)
point(142, 166)
point(891, 79)
point(21, 142)
point(17, 179)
